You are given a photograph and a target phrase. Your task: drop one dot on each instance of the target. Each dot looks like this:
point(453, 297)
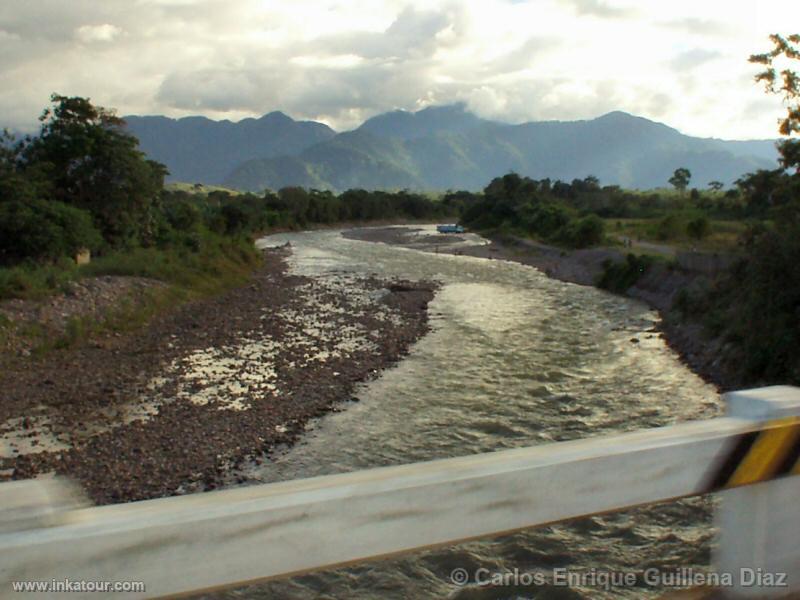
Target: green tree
point(296, 200)
point(680, 179)
point(754, 308)
point(715, 186)
point(95, 165)
point(786, 83)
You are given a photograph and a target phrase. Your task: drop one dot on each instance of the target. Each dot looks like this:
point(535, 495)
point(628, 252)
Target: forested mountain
point(199, 150)
point(439, 148)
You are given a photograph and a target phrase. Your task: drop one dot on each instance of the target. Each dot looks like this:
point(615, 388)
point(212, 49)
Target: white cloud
point(97, 33)
point(598, 8)
point(342, 61)
point(693, 58)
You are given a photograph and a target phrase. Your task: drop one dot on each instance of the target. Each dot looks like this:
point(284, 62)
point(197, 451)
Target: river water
point(513, 359)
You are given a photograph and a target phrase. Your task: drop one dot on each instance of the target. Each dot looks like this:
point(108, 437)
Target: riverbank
point(175, 406)
point(658, 287)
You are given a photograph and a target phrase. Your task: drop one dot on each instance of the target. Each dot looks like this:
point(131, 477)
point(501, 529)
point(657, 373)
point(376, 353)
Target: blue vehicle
point(450, 228)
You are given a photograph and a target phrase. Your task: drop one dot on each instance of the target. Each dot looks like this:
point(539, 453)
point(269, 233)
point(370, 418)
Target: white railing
point(203, 541)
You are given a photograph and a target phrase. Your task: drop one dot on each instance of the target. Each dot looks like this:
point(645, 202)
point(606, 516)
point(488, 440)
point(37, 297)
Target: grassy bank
point(673, 229)
point(219, 264)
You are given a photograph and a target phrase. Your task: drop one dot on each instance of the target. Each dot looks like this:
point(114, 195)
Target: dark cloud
point(53, 20)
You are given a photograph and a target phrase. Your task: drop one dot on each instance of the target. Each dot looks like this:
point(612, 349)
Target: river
point(513, 359)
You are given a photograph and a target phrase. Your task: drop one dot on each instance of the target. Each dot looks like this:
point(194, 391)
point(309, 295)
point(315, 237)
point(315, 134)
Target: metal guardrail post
point(759, 525)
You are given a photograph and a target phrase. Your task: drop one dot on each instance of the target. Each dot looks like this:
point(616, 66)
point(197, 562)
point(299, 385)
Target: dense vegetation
point(82, 184)
point(231, 213)
point(515, 204)
point(755, 308)
point(583, 213)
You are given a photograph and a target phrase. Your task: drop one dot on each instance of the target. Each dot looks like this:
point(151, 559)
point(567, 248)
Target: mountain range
point(438, 148)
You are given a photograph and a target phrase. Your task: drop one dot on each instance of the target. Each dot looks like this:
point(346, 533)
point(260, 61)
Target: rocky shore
point(177, 406)
point(657, 288)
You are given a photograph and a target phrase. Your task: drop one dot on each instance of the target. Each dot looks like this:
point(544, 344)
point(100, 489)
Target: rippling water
point(513, 359)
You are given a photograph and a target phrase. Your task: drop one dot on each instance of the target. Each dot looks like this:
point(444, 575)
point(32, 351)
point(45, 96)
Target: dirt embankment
point(658, 287)
point(172, 408)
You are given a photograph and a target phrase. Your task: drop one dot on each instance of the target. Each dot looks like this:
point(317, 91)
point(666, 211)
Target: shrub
point(698, 228)
point(584, 232)
point(546, 219)
point(182, 215)
point(620, 276)
point(35, 281)
point(668, 228)
point(759, 300)
point(44, 231)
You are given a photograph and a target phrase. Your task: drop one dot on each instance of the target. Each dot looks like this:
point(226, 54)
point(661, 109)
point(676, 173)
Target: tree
point(297, 201)
point(786, 83)
point(680, 179)
point(764, 189)
point(95, 165)
point(715, 185)
point(754, 308)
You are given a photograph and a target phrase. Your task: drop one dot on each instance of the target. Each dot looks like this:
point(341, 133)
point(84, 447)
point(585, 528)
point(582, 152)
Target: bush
point(668, 228)
point(44, 231)
point(694, 299)
point(698, 228)
point(620, 276)
point(35, 281)
point(235, 219)
point(758, 305)
point(584, 232)
point(546, 219)
point(182, 215)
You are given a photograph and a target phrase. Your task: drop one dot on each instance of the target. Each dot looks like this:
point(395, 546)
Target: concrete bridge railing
point(204, 541)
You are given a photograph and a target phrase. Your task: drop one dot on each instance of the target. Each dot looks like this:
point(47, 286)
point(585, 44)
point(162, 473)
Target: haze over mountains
point(438, 148)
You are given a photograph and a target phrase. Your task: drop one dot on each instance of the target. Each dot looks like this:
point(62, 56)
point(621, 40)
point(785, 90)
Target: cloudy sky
point(682, 62)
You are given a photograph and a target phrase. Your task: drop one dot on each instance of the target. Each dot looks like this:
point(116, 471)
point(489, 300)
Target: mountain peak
point(276, 117)
point(618, 119)
point(402, 124)
point(617, 115)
